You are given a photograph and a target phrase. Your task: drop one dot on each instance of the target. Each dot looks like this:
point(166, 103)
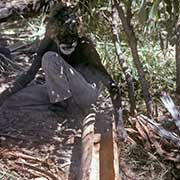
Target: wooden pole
point(99, 149)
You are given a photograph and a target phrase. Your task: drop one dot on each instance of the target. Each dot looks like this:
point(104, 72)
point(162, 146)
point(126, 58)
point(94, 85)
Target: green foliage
point(36, 26)
point(157, 58)
point(156, 55)
point(163, 14)
point(142, 14)
point(28, 30)
point(154, 12)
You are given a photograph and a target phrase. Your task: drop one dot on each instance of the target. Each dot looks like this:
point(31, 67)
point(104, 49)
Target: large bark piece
point(99, 159)
point(86, 172)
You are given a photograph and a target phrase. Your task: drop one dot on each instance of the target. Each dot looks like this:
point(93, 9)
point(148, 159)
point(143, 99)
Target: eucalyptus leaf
point(153, 14)
point(142, 12)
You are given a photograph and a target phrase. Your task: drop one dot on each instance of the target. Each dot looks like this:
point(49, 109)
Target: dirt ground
point(35, 141)
point(38, 143)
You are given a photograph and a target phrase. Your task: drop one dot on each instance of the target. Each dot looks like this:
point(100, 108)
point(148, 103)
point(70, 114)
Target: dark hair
point(64, 20)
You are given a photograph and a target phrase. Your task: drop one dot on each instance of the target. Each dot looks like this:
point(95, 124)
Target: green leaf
point(153, 14)
point(142, 12)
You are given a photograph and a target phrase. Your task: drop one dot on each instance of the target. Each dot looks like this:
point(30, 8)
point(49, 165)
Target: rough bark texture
point(121, 61)
point(178, 62)
point(99, 159)
point(132, 41)
point(177, 45)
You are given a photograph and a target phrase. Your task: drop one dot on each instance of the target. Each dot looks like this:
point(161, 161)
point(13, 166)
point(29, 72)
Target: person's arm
point(28, 76)
point(93, 58)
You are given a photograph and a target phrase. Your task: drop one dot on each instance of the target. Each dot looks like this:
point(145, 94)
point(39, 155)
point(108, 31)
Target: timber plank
point(99, 149)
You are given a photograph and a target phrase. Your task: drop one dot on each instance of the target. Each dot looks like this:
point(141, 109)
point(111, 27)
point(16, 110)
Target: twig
point(15, 46)
point(14, 66)
point(21, 155)
point(17, 137)
point(43, 171)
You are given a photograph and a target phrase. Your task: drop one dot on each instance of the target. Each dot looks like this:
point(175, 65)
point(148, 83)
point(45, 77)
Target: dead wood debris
point(155, 138)
point(33, 167)
point(161, 135)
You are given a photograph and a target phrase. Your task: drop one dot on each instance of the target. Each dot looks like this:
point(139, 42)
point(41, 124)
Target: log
point(109, 163)
point(87, 160)
point(99, 159)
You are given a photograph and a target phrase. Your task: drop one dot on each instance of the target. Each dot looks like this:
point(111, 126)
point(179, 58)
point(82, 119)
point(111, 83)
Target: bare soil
point(37, 143)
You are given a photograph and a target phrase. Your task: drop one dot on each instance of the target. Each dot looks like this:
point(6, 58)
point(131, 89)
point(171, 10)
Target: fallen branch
point(19, 137)
point(42, 171)
point(172, 137)
point(20, 155)
point(5, 62)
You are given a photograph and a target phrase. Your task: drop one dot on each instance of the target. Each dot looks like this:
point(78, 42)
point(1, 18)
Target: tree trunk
point(121, 61)
point(132, 41)
point(141, 74)
point(178, 61)
point(177, 45)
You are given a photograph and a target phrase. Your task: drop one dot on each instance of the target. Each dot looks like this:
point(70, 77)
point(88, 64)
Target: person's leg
point(55, 77)
point(63, 82)
point(31, 97)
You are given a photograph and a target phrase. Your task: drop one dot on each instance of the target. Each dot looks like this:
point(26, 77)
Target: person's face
point(68, 30)
point(63, 27)
point(68, 26)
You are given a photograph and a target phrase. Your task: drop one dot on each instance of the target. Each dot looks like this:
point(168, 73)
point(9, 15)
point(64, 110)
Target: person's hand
point(114, 88)
point(115, 94)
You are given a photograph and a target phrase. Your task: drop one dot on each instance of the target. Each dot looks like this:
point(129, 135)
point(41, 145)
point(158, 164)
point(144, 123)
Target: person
point(72, 66)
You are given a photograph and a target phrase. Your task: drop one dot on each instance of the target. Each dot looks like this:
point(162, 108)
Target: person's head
point(63, 24)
